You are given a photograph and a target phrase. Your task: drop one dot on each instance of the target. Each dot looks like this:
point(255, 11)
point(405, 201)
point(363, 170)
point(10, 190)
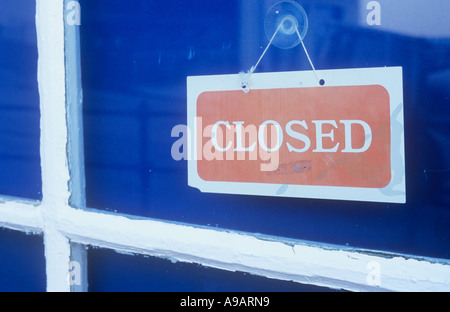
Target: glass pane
point(109, 271)
point(22, 262)
point(20, 173)
point(135, 60)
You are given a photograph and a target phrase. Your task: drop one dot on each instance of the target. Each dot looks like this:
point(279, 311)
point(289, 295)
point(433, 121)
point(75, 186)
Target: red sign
point(329, 136)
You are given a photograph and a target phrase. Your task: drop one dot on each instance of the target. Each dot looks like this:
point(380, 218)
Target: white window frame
point(68, 227)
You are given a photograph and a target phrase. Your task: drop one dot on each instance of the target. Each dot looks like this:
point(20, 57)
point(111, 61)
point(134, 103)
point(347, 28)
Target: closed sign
point(288, 136)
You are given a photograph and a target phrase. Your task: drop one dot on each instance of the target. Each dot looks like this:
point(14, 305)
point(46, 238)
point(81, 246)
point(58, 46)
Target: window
point(112, 89)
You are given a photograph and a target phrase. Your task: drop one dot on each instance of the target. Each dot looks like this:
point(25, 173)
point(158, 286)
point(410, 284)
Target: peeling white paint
point(278, 258)
point(20, 215)
point(54, 164)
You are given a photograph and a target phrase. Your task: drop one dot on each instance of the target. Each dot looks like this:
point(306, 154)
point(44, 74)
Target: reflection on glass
point(135, 60)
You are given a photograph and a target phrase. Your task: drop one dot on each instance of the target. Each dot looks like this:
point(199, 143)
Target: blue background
point(20, 168)
point(22, 262)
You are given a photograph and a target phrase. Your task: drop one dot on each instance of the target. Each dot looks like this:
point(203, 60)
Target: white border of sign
point(391, 78)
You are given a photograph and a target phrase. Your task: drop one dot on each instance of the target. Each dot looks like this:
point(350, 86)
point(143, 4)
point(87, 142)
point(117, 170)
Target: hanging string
point(246, 76)
point(307, 55)
point(267, 48)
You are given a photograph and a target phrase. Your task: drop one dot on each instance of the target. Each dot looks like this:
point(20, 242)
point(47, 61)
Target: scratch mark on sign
point(292, 167)
point(329, 161)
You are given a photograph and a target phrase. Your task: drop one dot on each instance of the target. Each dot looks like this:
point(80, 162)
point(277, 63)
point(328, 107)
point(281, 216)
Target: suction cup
point(286, 17)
